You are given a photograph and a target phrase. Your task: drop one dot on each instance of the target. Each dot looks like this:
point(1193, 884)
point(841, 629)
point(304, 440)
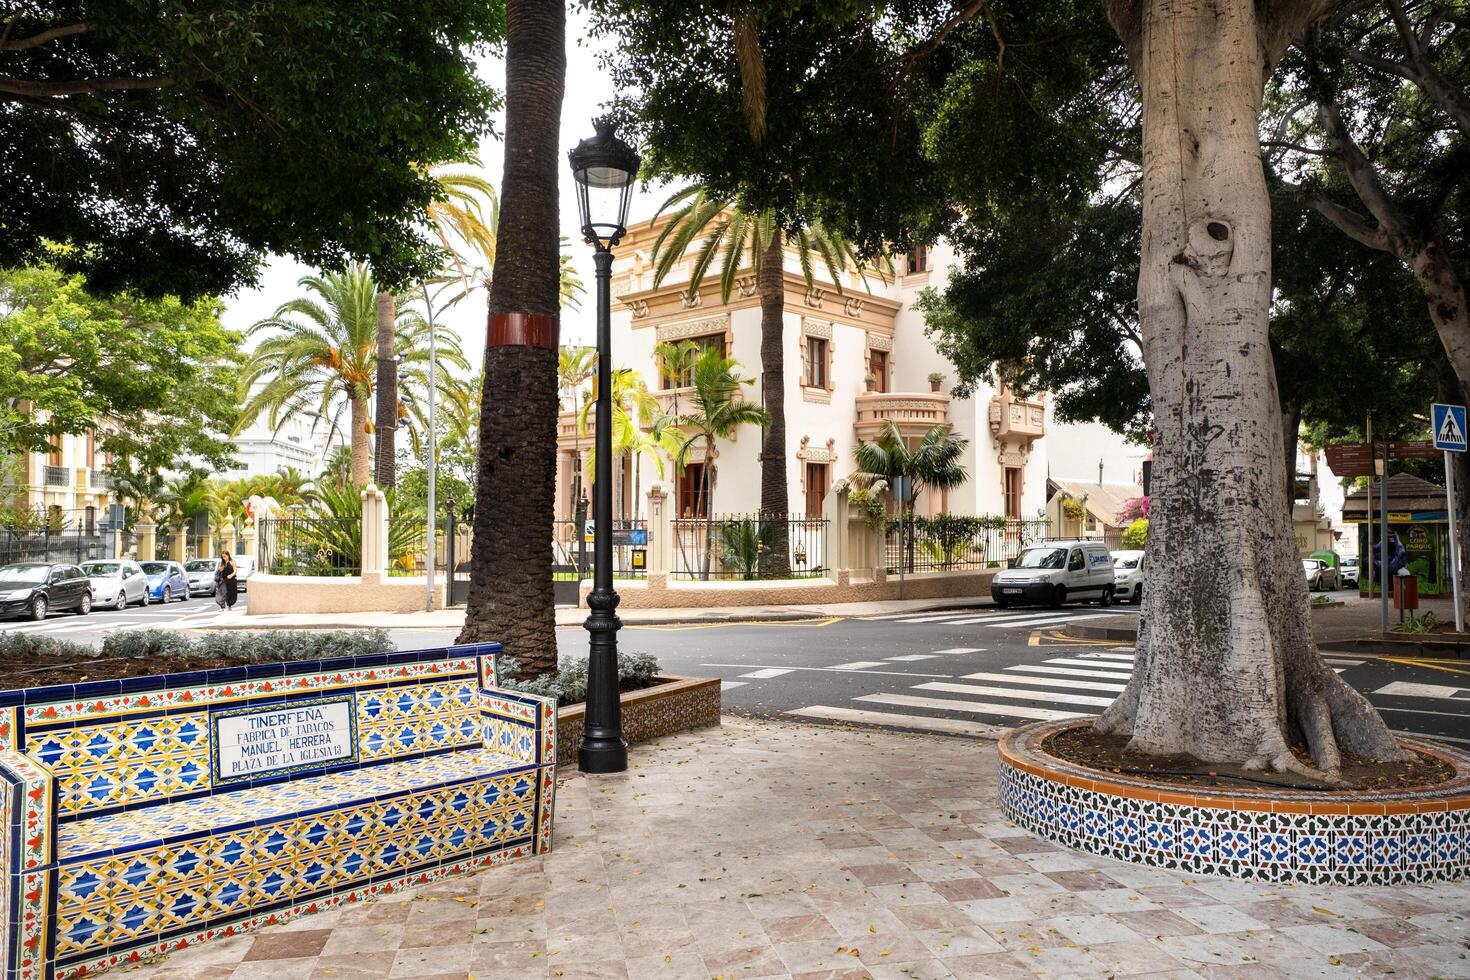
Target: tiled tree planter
point(675, 704)
point(1261, 834)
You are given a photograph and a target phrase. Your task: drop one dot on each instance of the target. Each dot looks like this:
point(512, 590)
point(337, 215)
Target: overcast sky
point(587, 89)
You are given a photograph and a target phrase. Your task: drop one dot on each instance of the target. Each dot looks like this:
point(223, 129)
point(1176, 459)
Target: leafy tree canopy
point(154, 377)
point(172, 142)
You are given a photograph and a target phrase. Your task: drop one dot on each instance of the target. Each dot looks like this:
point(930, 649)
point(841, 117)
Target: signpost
point(1449, 435)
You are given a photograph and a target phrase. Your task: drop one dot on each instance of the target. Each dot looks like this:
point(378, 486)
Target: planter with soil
point(672, 704)
point(1407, 822)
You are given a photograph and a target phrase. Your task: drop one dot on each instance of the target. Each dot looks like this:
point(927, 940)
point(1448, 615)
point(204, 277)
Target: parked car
point(117, 582)
point(244, 568)
point(1348, 572)
point(1320, 576)
point(35, 589)
point(1054, 572)
point(201, 575)
point(167, 581)
point(1128, 576)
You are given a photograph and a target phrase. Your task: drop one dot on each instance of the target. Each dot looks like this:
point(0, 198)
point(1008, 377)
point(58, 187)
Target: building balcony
point(569, 438)
point(58, 476)
point(1017, 419)
point(915, 413)
point(101, 480)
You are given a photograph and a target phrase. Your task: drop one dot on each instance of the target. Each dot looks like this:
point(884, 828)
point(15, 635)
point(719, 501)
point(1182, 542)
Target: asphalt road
point(93, 627)
point(966, 673)
point(969, 673)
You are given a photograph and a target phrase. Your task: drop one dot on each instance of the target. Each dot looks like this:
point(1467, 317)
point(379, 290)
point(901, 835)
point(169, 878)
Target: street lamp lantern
point(604, 168)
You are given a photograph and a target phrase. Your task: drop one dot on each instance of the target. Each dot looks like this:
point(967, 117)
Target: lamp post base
point(602, 755)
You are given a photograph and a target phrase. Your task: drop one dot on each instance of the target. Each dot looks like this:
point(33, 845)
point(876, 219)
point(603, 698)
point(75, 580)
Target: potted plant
point(935, 380)
point(871, 380)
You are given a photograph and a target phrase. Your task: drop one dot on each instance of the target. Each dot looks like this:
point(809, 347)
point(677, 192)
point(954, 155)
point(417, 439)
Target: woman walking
point(226, 588)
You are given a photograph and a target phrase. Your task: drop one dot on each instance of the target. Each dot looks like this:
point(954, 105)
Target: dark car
point(34, 589)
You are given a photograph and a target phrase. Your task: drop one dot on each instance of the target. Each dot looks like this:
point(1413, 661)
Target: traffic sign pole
point(1449, 484)
point(1450, 435)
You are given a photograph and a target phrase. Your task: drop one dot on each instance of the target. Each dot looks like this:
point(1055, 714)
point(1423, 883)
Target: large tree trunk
point(386, 421)
point(362, 470)
point(511, 598)
point(775, 504)
point(1226, 661)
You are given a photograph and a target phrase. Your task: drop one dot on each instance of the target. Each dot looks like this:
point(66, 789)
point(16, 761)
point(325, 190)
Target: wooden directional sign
point(1356, 459)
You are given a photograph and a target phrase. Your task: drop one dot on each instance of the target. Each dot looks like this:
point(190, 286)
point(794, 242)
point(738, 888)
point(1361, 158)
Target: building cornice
point(851, 307)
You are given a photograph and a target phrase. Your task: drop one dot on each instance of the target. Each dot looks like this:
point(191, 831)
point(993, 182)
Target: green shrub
point(569, 684)
point(19, 646)
point(1136, 534)
point(226, 648)
point(1417, 625)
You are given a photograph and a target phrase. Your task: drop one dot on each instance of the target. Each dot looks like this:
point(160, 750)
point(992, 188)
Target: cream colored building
point(833, 341)
point(71, 480)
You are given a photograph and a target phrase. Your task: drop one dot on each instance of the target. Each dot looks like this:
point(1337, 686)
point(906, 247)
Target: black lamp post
point(604, 168)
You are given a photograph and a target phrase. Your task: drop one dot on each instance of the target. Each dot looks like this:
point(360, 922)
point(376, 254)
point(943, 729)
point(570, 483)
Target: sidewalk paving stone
point(775, 849)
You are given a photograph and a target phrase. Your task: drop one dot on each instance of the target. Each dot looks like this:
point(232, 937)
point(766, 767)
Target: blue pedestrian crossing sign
point(1449, 427)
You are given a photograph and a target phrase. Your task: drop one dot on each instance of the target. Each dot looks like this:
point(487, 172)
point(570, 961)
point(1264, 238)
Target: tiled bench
point(152, 813)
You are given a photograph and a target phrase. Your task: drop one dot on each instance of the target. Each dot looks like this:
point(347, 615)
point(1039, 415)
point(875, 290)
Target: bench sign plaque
point(251, 743)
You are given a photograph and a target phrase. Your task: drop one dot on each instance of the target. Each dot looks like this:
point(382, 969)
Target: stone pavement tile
point(988, 966)
point(363, 939)
point(509, 958)
point(963, 889)
point(807, 957)
point(1024, 935)
point(723, 925)
point(913, 893)
point(217, 972)
point(1176, 896)
point(1034, 883)
point(297, 969)
point(852, 973)
point(750, 961)
point(678, 964)
point(796, 928)
point(1058, 861)
point(1081, 881)
point(1331, 939)
point(1158, 922)
point(1282, 912)
point(1133, 959)
point(353, 966)
point(1024, 845)
point(288, 944)
point(963, 941)
point(883, 874)
point(427, 961)
point(1060, 903)
point(857, 921)
point(923, 918)
point(378, 912)
point(611, 968)
point(1085, 930)
point(1234, 949)
point(995, 911)
point(1220, 918)
point(511, 928)
point(921, 969)
point(1447, 925)
point(1117, 900)
point(1441, 959)
point(1393, 933)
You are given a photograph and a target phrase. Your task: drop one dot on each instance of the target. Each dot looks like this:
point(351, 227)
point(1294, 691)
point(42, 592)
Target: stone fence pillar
point(250, 539)
point(227, 539)
point(660, 535)
point(205, 545)
point(837, 543)
point(147, 540)
point(178, 545)
point(374, 535)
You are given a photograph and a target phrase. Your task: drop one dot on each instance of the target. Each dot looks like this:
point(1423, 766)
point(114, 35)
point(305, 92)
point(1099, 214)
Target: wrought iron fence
point(745, 546)
point(71, 544)
point(311, 545)
point(571, 561)
point(946, 542)
point(58, 476)
point(408, 545)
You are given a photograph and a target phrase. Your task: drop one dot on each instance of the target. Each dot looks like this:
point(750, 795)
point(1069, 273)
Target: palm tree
point(460, 410)
point(734, 237)
point(460, 221)
point(575, 366)
point(511, 599)
point(935, 462)
point(183, 498)
point(336, 468)
point(323, 353)
point(145, 489)
point(676, 361)
point(639, 427)
point(716, 414)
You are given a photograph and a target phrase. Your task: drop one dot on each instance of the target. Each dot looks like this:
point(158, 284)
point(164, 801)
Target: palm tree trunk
point(709, 503)
point(775, 506)
point(386, 421)
point(362, 470)
point(511, 598)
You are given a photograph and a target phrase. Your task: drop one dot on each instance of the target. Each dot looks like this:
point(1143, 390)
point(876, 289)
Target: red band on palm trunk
point(523, 330)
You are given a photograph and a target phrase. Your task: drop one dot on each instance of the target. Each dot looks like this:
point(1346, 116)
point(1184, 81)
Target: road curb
point(1118, 633)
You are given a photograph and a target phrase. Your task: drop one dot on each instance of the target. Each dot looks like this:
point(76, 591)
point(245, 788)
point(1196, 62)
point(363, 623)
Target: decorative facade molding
point(745, 286)
point(638, 306)
point(813, 327)
point(852, 305)
point(815, 295)
point(684, 329)
point(691, 300)
point(879, 341)
point(808, 453)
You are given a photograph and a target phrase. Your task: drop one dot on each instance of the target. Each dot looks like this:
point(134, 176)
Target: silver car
point(1321, 577)
point(201, 575)
point(117, 583)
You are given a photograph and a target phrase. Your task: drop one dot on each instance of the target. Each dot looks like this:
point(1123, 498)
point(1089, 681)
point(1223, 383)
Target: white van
point(1128, 576)
point(1053, 572)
